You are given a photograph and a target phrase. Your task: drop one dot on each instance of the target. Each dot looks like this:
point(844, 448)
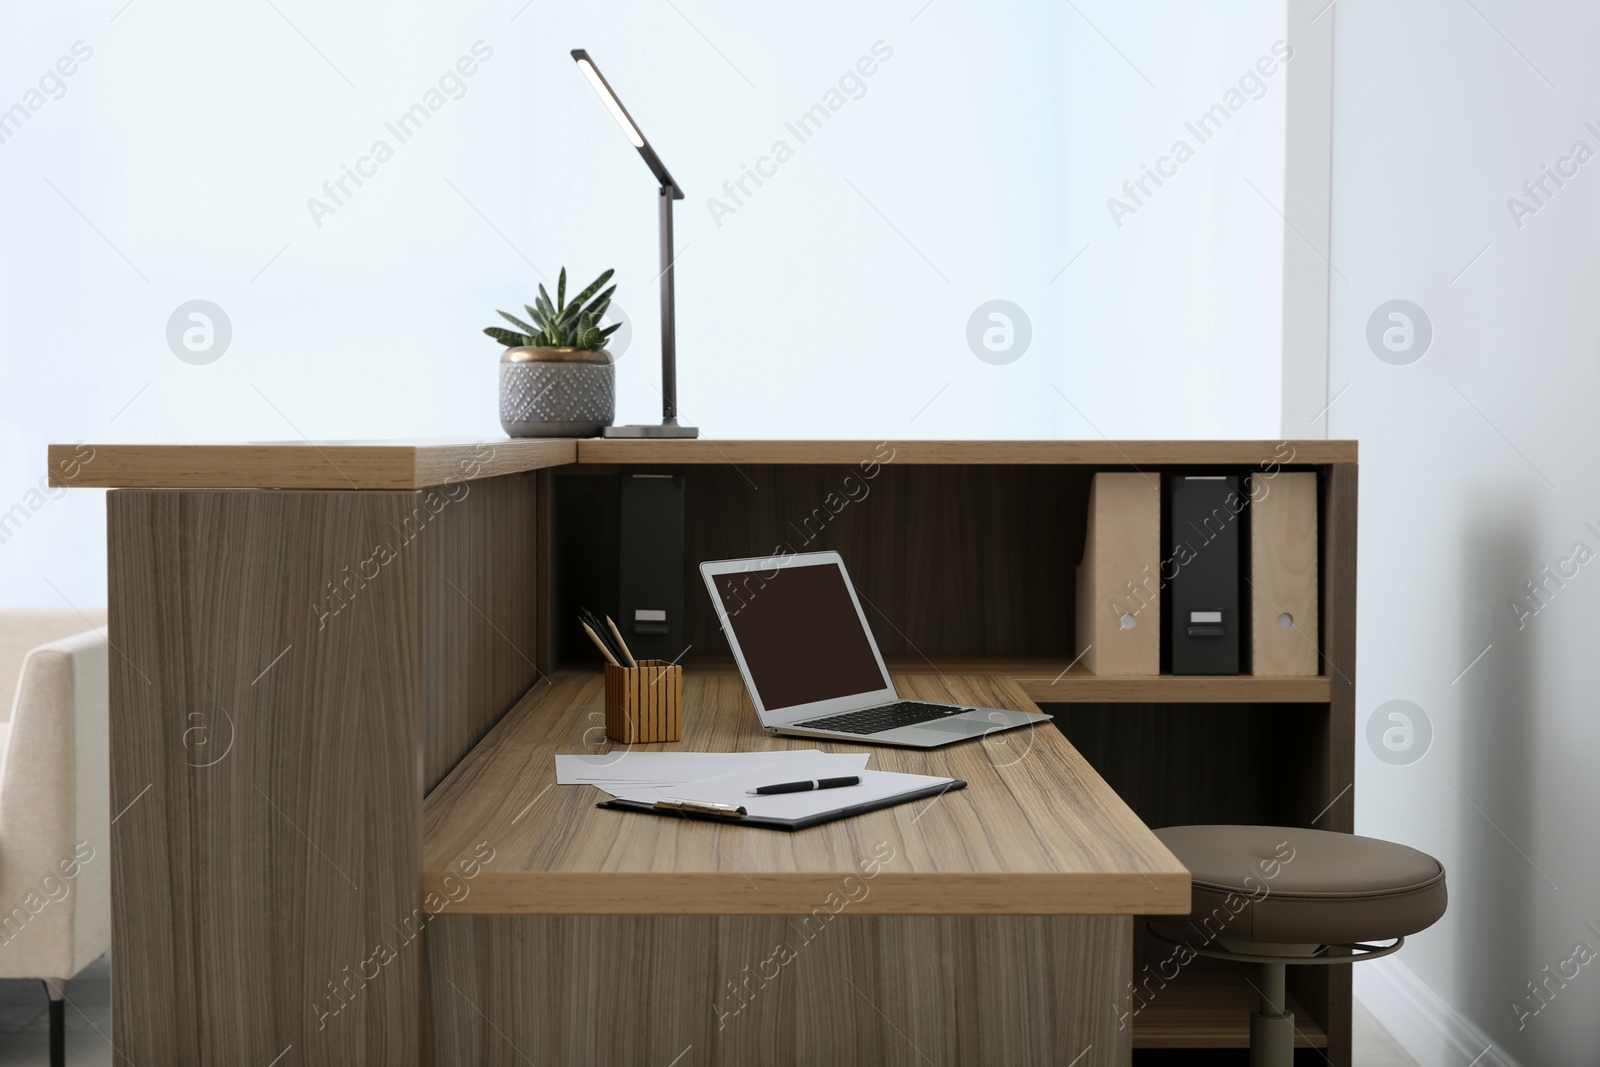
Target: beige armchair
point(55, 818)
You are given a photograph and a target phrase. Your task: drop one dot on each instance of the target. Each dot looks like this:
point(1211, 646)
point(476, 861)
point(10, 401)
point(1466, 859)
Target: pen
point(802, 787)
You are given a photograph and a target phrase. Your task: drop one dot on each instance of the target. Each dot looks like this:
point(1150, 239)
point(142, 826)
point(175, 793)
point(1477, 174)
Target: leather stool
point(1281, 896)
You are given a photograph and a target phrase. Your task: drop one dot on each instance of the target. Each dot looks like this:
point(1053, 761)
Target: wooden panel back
point(948, 561)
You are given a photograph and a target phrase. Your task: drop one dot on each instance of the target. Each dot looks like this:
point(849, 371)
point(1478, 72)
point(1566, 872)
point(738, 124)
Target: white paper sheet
point(732, 789)
point(677, 768)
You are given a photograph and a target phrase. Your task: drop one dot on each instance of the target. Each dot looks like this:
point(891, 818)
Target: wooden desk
point(309, 637)
point(1037, 832)
point(1011, 866)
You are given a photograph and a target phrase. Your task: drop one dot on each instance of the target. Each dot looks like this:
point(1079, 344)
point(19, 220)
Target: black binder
point(791, 825)
point(1203, 520)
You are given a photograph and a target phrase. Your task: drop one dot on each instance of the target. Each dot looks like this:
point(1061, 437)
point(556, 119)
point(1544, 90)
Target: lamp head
point(629, 128)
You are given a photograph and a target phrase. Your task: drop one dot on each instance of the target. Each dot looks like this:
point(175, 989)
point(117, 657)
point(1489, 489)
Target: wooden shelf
point(412, 464)
point(1046, 682)
point(1078, 686)
point(1211, 1010)
point(1094, 453)
point(421, 462)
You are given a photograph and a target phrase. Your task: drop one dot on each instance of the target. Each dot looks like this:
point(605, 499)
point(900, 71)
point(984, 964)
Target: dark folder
point(1203, 519)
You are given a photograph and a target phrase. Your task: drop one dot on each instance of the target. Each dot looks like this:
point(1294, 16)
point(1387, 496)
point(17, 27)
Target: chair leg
point(58, 1021)
point(1271, 1028)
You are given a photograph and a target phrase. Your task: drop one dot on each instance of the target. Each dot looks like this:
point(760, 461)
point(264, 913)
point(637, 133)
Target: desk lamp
point(669, 426)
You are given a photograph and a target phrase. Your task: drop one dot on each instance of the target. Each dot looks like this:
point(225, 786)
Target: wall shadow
point(1495, 891)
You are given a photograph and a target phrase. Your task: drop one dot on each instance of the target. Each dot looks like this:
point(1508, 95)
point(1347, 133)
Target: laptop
point(812, 668)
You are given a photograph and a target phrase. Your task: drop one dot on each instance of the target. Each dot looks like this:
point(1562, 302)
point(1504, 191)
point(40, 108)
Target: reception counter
point(341, 670)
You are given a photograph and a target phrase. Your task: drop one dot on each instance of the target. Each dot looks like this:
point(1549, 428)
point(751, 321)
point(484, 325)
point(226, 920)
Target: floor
point(24, 1026)
point(25, 1022)
point(1371, 1044)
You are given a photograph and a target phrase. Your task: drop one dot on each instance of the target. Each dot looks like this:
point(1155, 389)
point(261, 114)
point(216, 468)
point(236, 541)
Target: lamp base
point(666, 428)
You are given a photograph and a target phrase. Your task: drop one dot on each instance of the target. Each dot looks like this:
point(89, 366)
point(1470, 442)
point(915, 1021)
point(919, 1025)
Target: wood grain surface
point(1035, 832)
point(413, 464)
point(302, 464)
point(960, 560)
point(233, 907)
point(477, 614)
point(816, 991)
point(1095, 453)
point(1078, 686)
point(1056, 680)
point(264, 771)
point(294, 669)
point(1211, 1010)
point(1327, 756)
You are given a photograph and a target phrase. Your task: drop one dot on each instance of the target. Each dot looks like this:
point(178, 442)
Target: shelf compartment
point(1212, 1010)
point(1048, 681)
point(1078, 686)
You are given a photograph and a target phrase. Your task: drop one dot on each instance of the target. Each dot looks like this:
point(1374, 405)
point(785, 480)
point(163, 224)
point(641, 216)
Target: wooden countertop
point(303, 464)
point(1092, 453)
point(1036, 831)
point(414, 464)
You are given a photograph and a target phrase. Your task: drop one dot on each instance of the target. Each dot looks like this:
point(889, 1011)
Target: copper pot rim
point(592, 356)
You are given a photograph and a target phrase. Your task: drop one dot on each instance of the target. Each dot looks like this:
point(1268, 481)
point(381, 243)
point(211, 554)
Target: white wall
point(977, 161)
point(1477, 471)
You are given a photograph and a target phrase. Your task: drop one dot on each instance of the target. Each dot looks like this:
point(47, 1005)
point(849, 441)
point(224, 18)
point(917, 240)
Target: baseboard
point(1434, 1033)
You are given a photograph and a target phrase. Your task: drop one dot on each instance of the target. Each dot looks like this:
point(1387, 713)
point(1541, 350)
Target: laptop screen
point(800, 634)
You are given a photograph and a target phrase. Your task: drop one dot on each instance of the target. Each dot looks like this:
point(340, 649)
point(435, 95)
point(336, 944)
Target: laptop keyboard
point(887, 717)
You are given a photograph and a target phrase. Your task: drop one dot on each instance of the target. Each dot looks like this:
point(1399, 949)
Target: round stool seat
point(1290, 886)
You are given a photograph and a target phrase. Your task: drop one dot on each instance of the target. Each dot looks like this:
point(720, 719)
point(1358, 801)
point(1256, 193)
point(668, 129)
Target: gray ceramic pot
point(556, 392)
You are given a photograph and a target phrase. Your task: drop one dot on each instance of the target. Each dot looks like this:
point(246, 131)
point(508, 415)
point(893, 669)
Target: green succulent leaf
point(518, 323)
point(505, 337)
point(562, 323)
point(598, 305)
point(592, 288)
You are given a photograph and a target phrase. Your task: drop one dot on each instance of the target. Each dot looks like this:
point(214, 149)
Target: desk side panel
point(825, 987)
point(477, 609)
point(264, 768)
point(1326, 991)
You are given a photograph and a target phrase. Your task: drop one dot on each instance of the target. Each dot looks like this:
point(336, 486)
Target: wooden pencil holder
point(644, 704)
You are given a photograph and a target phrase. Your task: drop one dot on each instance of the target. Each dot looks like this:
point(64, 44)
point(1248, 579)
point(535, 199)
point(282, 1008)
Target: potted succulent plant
point(556, 378)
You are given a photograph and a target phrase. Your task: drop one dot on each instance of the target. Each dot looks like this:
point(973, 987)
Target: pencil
point(627, 653)
point(601, 645)
point(599, 628)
